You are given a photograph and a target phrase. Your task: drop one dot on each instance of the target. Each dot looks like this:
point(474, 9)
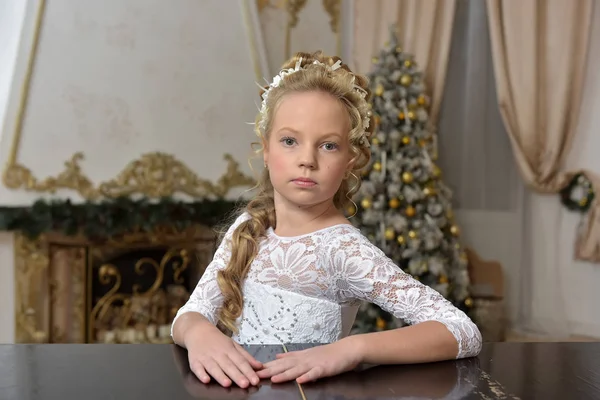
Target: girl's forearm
point(425, 342)
point(186, 323)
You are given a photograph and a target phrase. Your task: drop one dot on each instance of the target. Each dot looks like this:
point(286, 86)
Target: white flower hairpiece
point(298, 66)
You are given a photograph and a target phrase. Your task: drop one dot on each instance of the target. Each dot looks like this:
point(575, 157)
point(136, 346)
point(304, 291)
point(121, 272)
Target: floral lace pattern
point(329, 270)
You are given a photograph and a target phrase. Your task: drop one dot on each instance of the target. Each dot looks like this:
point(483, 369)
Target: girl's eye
point(288, 141)
point(330, 146)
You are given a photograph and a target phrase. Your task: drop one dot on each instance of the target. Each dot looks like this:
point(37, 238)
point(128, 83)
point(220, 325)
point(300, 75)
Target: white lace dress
point(307, 289)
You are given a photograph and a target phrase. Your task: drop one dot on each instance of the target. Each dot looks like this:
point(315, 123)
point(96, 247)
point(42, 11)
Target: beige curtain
point(539, 51)
point(424, 29)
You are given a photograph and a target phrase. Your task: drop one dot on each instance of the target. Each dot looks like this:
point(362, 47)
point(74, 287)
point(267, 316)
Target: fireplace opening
point(135, 293)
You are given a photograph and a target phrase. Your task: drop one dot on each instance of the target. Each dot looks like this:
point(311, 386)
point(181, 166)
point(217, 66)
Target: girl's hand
point(198, 390)
point(211, 353)
point(312, 364)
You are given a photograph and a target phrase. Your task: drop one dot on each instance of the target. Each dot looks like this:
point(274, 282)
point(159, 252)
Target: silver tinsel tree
point(403, 206)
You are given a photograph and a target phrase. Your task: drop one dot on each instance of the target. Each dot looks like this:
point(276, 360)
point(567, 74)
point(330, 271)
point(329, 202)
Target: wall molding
point(153, 175)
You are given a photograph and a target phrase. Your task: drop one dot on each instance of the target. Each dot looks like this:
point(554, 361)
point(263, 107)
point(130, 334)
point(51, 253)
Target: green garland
point(110, 218)
point(582, 201)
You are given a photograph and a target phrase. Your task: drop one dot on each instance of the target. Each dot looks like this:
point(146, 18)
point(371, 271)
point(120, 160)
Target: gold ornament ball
point(394, 203)
point(375, 60)
point(454, 230)
point(407, 177)
point(366, 203)
point(422, 142)
point(408, 63)
point(375, 141)
point(381, 324)
point(412, 116)
point(401, 115)
point(379, 90)
point(377, 119)
point(443, 279)
point(437, 172)
point(406, 140)
point(421, 100)
point(398, 49)
point(351, 209)
point(405, 80)
point(410, 211)
point(469, 302)
point(400, 240)
point(427, 191)
point(390, 234)
point(412, 234)
point(377, 166)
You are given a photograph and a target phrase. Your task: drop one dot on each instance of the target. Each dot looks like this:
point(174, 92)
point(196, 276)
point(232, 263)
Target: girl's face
point(308, 150)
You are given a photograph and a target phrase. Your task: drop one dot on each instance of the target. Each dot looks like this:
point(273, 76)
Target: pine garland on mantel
point(111, 217)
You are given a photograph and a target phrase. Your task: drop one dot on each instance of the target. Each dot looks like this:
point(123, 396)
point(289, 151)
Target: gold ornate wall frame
point(293, 8)
point(154, 174)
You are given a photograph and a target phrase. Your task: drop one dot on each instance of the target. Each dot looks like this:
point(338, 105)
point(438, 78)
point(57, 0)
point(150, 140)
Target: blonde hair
point(341, 83)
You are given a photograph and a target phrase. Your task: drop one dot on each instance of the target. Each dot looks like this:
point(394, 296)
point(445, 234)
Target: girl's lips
point(304, 182)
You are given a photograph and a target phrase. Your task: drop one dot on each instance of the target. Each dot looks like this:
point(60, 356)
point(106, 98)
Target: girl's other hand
point(312, 364)
point(211, 353)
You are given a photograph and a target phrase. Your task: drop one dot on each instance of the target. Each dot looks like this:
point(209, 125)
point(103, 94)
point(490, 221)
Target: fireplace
point(125, 289)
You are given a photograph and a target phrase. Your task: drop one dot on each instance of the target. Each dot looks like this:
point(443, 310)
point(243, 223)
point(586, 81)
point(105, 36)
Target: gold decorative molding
point(31, 285)
point(24, 95)
point(333, 8)
point(262, 4)
point(293, 8)
point(153, 175)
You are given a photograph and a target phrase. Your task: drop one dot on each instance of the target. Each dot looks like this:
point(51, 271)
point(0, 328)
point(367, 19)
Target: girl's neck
point(294, 221)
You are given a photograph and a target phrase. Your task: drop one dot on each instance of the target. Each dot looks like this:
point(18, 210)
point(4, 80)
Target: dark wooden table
point(502, 371)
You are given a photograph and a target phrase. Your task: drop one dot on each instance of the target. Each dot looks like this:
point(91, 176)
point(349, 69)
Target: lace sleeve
point(207, 297)
point(366, 273)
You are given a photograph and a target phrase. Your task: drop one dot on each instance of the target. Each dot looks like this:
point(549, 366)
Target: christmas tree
point(404, 208)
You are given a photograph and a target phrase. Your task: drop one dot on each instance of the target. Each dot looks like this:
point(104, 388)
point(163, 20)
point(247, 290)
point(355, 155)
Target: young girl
point(292, 269)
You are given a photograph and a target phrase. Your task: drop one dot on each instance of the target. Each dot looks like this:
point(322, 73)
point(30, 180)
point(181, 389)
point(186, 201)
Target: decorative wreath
point(578, 195)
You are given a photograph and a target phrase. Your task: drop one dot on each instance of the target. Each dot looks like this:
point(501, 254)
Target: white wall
point(552, 228)
point(117, 79)
point(11, 20)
